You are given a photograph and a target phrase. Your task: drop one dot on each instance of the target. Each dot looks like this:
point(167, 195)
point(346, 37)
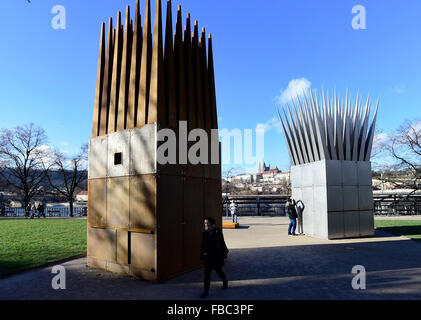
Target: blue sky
point(48, 76)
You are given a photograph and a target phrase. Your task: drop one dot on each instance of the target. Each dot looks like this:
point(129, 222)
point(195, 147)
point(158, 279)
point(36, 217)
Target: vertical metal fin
point(99, 83)
point(145, 69)
point(125, 76)
point(328, 128)
point(207, 111)
point(156, 109)
point(171, 105)
point(190, 76)
point(198, 77)
point(106, 82)
point(212, 85)
point(135, 70)
point(115, 79)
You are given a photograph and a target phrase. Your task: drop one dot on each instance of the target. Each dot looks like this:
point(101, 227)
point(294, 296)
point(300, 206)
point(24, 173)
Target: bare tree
point(404, 148)
point(72, 172)
point(23, 156)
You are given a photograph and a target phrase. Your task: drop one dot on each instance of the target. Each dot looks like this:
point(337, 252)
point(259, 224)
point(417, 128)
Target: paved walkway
point(263, 263)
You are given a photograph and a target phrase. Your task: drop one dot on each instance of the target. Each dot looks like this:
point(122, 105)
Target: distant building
point(247, 178)
point(264, 168)
point(82, 196)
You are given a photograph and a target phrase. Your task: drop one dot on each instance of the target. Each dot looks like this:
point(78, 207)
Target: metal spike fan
point(323, 128)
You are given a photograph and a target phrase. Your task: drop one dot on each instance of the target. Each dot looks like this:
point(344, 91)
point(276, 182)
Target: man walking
point(292, 215)
point(213, 253)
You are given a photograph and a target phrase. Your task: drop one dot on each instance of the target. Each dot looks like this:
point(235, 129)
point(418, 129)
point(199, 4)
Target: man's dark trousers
point(208, 270)
point(292, 225)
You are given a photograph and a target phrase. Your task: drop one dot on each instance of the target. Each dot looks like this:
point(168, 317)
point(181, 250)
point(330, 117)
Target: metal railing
point(397, 204)
point(274, 205)
point(256, 205)
point(260, 205)
point(48, 212)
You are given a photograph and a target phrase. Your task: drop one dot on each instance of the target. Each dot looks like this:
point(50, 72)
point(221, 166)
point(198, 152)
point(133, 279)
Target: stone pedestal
point(337, 198)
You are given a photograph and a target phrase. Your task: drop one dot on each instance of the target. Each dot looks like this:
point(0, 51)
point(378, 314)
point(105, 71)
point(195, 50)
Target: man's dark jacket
point(214, 249)
point(291, 211)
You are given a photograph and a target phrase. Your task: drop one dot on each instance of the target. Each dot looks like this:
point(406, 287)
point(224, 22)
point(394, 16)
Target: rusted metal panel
point(192, 170)
point(212, 200)
point(102, 244)
point(143, 146)
point(118, 143)
point(193, 221)
point(143, 274)
point(98, 148)
point(97, 201)
point(118, 202)
point(143, 251)
point(170, 228)
point(216, 171)
point(96, 263)
point(117, 268)
point(122, 247)
point(207, 167)
point(143, 201)
point(163, 153)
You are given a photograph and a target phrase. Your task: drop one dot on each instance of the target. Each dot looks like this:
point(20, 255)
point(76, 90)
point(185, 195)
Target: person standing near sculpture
point(233, 209)
point(292, 215)
point(213, 253)
point(299, 205)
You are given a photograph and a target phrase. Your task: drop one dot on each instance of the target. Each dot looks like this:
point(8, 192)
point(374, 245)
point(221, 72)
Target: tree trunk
point(71, 208)
point(26, 204)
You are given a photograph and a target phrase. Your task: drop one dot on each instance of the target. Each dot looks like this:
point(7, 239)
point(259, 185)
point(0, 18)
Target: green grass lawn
point(408, 228)
point(27, 243)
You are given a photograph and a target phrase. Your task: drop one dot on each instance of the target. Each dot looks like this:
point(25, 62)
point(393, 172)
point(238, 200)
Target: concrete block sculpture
point(144, 217)
point(329, 141)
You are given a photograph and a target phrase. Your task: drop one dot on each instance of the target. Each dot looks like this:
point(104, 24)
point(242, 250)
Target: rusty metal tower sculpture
point(145, 218)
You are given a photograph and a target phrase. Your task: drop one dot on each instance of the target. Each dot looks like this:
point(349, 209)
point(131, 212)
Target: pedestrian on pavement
point(292, 215)
point(233, 209)
point(33, 211)
point(213, 253)
point(28, 211)
point(40, 210)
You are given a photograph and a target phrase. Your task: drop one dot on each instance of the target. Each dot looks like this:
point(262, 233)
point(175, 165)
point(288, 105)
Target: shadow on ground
point(404, 231)
point(317, 271)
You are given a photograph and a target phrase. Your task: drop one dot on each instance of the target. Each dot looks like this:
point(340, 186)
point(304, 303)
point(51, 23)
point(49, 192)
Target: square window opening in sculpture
point(118, 158)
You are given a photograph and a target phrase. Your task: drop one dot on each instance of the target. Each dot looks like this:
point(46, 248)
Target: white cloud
point(380, 138)
point(295, 88)
point(45, 154)
point(273, 123)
